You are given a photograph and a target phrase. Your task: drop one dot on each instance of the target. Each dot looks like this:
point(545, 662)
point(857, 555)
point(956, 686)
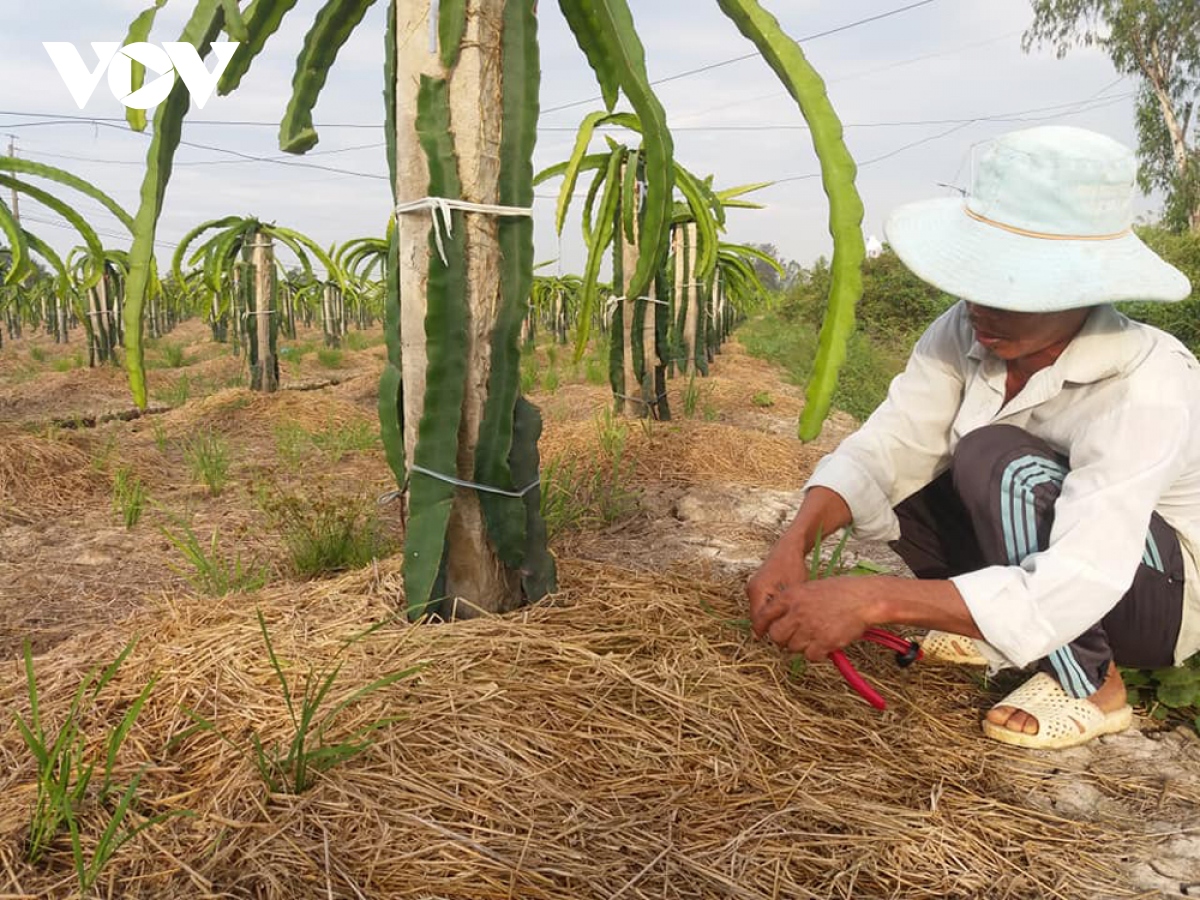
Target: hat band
point(1042, 235)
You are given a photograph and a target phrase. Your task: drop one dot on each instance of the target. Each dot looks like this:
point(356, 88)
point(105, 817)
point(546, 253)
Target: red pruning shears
point(907, 653)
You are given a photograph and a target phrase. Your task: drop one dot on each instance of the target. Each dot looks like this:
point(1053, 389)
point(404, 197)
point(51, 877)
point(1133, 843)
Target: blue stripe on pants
point(1152, 557)
point(1019, 502)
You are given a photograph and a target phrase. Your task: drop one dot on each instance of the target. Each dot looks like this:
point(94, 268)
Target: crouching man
point(1036, 465)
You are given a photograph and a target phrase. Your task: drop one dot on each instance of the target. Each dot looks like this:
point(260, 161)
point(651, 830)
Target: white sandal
point(1063, 720)
point(944, 647)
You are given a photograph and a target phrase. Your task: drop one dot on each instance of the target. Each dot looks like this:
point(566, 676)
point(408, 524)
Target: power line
point(1015, 116)
point(1104, 90)
point(1056, 110)
point(56, 118)
point(754, 55)
point(959, 127)
point(69, 119)
point(848, 125)
point(16, 208)
point(203, 162)
point(743, 101)
point(99, 231)
point(112, 123)
point(268, 159)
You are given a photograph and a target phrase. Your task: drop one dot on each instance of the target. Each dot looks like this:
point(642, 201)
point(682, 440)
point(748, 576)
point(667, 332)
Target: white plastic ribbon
point(612, 302)
point(440, 207)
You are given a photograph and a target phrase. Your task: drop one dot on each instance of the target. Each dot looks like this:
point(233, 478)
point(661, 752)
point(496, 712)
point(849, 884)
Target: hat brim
point(993, 267)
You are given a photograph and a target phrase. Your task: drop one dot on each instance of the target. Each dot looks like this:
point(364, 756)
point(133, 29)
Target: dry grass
point(41, 476)
point(690, 452)
point(239, 412)
point(620, 741)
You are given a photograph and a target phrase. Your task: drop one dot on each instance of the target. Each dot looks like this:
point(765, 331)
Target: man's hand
point(812, 617)
point(774, 578)
point(817, 617)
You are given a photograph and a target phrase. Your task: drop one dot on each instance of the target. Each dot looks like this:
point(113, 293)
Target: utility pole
point(12, 151)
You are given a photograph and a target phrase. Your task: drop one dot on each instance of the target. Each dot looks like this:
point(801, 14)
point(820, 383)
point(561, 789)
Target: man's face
point(1014, 335)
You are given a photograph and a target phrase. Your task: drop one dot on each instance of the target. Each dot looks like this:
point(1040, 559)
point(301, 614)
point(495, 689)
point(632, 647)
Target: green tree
point(1181, 250)
point(1158, 41)
point(770, 275)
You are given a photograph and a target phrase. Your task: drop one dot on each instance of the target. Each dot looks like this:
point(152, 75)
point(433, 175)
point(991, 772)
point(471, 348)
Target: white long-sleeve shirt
point(1122, 403)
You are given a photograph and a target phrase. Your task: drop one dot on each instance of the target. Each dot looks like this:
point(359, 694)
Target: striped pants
point(995, 506)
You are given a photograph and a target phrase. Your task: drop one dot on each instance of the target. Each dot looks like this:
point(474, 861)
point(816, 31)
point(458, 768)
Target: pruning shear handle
point(907, 652)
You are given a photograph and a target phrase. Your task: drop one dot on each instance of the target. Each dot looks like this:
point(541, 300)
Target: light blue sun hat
point(1046, 227)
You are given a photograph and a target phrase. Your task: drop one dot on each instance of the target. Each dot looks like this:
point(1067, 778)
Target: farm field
point(624, 737)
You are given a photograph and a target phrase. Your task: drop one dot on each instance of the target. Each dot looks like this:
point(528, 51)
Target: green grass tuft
point(326, 533)
point(207, 455)
point(160, 436)
point(66, 770)
point(173, 355)
point(329, 357)
point(176, 394)
point(595, 372)
point(105, 454)
point(293, 442)
point(691, 397)
point(361, 340)
point(356, 437)
point(209, 570)
point(129, 496)
point(292, 767)
point(589, 491)
point(529, 372)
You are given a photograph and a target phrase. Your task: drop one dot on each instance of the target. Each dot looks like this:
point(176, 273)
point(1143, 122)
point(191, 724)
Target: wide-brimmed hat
point(1045, 227)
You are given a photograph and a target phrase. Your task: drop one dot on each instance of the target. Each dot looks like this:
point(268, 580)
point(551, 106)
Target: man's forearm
point(925, 603)
point(822, 512)
point(898, 601)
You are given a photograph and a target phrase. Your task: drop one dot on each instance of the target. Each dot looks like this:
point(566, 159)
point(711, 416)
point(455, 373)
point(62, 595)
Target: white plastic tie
point(440, 208)
point(487, 488)
point(650, 402)
point(612, 302)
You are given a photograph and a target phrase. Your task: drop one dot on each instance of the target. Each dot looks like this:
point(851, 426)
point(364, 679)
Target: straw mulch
point(621, 741)
point(690, 452)
point(63, 395)
point(240, 412)
point(40, 476)
point(712, 452)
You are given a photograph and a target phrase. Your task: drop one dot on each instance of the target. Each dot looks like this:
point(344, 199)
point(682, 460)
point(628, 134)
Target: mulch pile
point(41, 476)
point(625, 739)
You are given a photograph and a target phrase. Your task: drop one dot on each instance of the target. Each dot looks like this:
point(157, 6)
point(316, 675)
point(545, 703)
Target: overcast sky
point(916, 90)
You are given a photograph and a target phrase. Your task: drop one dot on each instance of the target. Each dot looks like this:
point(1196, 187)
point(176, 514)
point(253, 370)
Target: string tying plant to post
point(459, 482)
point(649, 402)
point(442, 222)
point(611, 303)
